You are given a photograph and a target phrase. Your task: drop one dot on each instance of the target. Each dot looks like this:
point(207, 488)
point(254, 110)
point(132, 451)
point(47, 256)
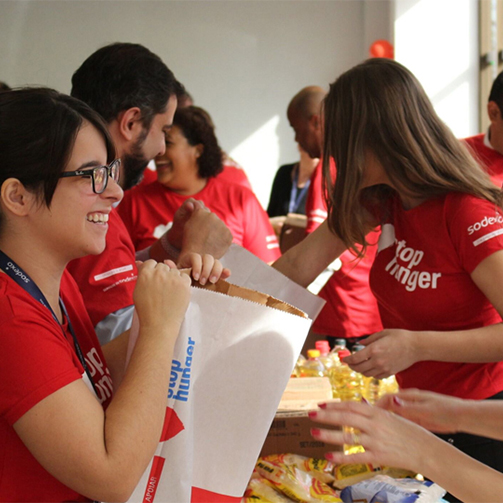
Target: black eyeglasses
point(99, 175)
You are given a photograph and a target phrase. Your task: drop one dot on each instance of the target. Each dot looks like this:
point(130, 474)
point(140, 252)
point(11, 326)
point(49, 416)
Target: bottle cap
point(340, 342)
point(323, 347)
point(343, 353)
point(313, 353)
point(358, 347)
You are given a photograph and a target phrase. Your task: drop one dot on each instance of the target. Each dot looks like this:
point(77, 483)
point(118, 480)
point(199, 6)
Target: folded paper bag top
point(226, 288)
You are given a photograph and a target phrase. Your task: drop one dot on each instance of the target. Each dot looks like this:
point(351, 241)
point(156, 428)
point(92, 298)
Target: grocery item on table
point(387, 490)
point(265, 490)
point(347, 385)
point(321, 469)
point(371, 385)
point(347, 475)
point(300, 361)
point(312, 367)
point(339, 345)
point(325, 358)
point(295, 483)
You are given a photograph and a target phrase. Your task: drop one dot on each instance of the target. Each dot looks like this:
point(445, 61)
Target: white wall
point(438, 41)
point(242, 60)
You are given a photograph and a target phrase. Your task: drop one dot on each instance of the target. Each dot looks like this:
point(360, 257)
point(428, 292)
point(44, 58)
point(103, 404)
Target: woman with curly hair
point(189, 168)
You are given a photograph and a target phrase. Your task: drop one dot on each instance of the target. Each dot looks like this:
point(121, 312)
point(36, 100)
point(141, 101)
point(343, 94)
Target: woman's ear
point(493, 111)
point(16, 198)
point(199, 150)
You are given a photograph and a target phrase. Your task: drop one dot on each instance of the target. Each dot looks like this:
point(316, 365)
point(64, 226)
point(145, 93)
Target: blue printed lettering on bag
point(179, 381)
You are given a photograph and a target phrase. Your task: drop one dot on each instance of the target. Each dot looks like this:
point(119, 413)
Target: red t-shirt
point(231, 174)
point(107, 280)
point(351, 309)
point(421, 279)
point(490, 159)
point(37, 360)
point(148, 211)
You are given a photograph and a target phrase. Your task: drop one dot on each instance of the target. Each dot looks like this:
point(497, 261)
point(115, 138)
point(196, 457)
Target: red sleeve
point(258, 237)
point(476, 228)
point(107, 281)
point(36, 357)
point(316, 209)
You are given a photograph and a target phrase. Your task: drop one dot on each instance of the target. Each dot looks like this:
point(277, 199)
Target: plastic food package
point(321, 469)
point(265, 490)
point(347, 475)
point(296, 484)
point(384, 489)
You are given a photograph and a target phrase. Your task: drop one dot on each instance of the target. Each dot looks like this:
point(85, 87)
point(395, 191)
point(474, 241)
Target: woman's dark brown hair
point(196, 125)
point(38, 127)
point(381, 108)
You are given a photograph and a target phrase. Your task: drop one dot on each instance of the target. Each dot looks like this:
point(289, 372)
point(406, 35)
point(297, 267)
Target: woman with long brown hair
point(439, 267)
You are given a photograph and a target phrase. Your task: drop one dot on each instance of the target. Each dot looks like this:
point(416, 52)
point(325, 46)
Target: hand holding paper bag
point(232, 361)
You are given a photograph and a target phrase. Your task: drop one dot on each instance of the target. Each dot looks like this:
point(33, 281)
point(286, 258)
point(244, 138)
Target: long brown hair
point(380, 107)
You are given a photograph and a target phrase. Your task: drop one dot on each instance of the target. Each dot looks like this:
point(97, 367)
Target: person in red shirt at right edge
point(351, 311)
point(487, 147)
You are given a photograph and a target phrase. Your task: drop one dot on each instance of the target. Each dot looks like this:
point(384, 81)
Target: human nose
point(162, 146)
point(113, 191)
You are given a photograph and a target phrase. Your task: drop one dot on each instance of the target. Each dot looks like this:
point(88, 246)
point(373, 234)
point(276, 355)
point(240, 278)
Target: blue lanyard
point(23, 280)
point(296, 199)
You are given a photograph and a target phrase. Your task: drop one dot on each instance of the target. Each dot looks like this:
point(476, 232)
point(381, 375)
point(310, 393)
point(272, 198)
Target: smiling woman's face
point(177, 168)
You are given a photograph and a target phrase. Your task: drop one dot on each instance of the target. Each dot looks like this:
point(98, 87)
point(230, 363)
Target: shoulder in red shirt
point(421, 279)
point(37, 359)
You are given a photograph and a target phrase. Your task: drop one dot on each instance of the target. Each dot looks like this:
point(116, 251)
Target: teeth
point(98, 217)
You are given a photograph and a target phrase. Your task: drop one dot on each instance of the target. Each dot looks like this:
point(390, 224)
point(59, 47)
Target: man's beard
point(134, 163)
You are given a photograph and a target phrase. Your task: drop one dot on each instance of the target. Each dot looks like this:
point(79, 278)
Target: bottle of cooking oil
point(371, 386)
point(296, 370)
point(346, 383)
point(324, 348)
point(312, 367)
point(339, 345)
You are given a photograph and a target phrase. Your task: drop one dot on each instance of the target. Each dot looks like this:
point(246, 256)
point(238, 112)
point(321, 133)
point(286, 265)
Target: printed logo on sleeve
point(103, 380)
point(486, 222)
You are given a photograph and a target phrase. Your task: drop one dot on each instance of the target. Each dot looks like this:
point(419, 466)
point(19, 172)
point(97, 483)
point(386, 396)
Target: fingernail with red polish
point(397, 401)
point(315, 432)
point(322, 405)
point(312, 414)
point(364, 400)
point(329, 456)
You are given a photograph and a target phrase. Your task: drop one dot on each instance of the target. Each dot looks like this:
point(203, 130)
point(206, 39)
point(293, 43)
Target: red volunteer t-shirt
point(107, 280)
point(230, 174)
point(490, 159)
point(148, 211)
point(35, 361)
point(351, 309)
point(421, 279)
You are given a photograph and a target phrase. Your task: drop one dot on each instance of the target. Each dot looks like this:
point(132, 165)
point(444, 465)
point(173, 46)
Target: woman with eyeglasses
point(74, 424)
point(438, 272)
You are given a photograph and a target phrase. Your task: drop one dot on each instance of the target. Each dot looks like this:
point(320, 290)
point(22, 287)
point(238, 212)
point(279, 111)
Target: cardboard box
point(290, 430)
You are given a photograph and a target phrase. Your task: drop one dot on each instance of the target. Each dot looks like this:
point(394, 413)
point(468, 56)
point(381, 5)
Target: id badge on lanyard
point(23, 280)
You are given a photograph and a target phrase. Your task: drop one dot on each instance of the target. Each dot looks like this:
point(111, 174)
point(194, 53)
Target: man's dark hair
point(496, 93)
point(121, 76)
point(196, 125)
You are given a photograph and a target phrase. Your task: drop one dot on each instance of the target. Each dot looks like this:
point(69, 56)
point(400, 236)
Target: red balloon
point(382, 49)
